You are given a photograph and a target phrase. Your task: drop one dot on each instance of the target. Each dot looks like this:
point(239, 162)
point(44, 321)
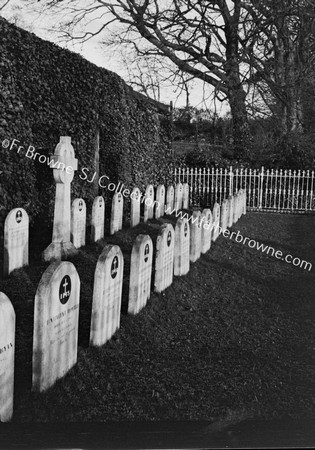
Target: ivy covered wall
point(47, 92)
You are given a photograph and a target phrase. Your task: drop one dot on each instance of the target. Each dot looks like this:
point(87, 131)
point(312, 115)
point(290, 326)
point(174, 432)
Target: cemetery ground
point(234, 339)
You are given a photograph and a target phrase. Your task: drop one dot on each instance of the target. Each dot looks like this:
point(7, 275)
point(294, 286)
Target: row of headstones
point(16, 227)
point(56, 308)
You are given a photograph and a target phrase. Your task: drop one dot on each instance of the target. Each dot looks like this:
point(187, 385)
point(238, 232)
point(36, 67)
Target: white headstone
point(56, 317)
point(16, 238)
point(230, 210)
point(160, 201)
point(116, 218)
point(98, 219)
point(78, 222)
point(178, 196)
point(164, 259)
point(149, 203)
point(64, 165)
point(185, 196)
point(216, 221)
point(206, 230)
point(7, 349)
point(107, 292)
point(236, 206)
point(195, 236)
point(135, 207)
point(224, 215)
point(140, 273)
point(182, 248)
point(169, 200)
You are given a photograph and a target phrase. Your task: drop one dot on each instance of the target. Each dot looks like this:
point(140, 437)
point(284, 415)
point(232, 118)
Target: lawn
point(233, 338)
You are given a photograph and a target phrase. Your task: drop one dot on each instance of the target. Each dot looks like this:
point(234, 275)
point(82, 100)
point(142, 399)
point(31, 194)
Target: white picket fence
point(266, 190)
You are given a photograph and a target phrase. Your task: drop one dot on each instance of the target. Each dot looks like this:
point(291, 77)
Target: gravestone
point(135, 207)
point(216, 221)
point(140, 273)
point(185, 196)
point(160, 199)
point(16, 240)
point(97, 219)
point(7, 349)
point(182, 248)
point(195, 236)
point(64, 166)
point(224, 215)
point(169, 200)
point(149, 203)
point(206, 230)
point(78, 222)
point(230, 211)
point(235, 210)
point(55, 336)
point(164, 259)
point(178, 196)
point(116, 218)
point(244, 209)
point(108, 280)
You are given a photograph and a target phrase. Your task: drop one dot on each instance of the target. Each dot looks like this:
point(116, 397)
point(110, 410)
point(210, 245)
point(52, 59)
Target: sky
point(111, 59)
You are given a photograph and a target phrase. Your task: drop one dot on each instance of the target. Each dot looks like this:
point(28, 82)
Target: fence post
point(231, 181)
point(260, 187)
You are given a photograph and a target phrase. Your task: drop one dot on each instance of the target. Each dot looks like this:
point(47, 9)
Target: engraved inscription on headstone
point(107, 292)
point(195, 236)
point(7, 348)
point(140, 273)
point(135, 207)
point(116, 219)
point(160, 201)
point(182, 248)
point(16, 240)
point(55, 337)
point(78, 222)
point(164, 260)
point(98, 219)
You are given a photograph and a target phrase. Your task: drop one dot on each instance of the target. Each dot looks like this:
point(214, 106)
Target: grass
point(232, 339)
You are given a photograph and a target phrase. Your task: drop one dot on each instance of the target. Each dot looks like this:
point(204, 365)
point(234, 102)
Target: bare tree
point(200, 38)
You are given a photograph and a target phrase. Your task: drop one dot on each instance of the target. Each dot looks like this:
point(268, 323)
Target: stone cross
point(108, 281)
point(164, 259)
point(56, 321)
point(64, 165)
point(7, 349)
point(16, 240)
point(182, 247)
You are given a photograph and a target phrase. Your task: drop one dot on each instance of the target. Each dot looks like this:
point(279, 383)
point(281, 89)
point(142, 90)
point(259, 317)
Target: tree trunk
point(241, 132)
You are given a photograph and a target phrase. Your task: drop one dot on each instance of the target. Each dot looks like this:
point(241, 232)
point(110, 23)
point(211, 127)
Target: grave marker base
point(57, 251)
